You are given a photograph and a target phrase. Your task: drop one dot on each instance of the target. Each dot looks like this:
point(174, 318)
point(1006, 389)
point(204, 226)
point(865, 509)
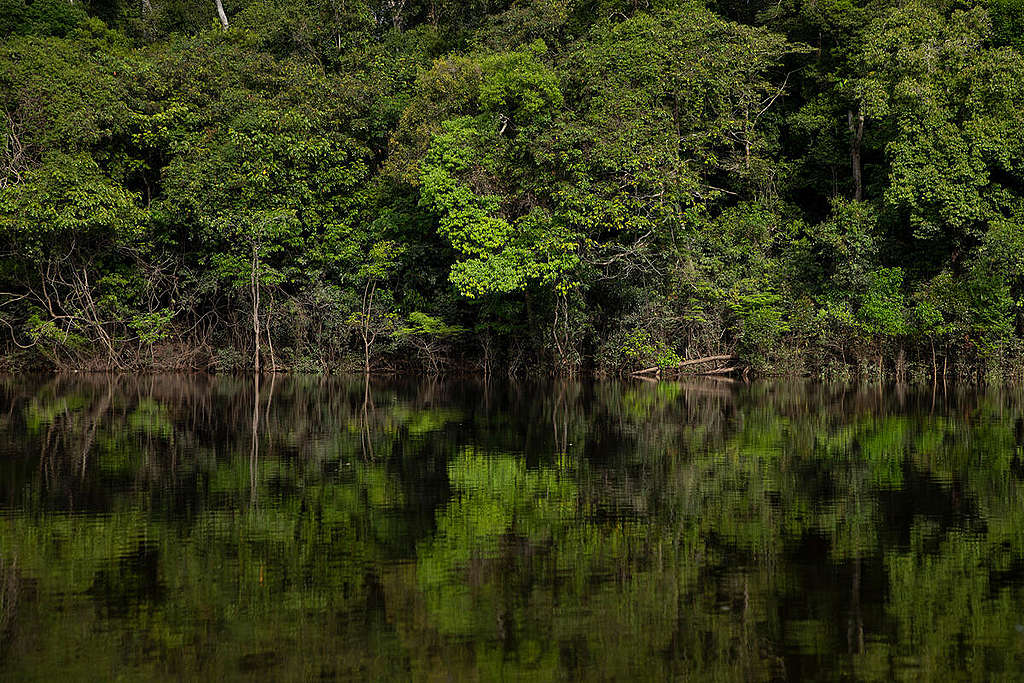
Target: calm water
point(190, 528)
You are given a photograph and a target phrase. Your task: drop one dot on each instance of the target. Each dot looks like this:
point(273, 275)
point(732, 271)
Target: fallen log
point(706, 359)
point(656, 370)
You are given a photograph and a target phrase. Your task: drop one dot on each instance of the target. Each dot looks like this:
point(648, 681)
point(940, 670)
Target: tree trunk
point(368, 334)
point(255, 291)
point(270, 339)
point(856, 125)
point(935, 366)
point(222, 15)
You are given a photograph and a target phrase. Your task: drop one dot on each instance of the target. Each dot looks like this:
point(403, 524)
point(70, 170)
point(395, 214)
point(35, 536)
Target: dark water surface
point(194, 528)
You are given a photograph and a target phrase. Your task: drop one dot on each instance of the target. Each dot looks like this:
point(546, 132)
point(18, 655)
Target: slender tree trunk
point(746, 137)
point(368, 335)
point(222, 15)
point(856, 125)
point(935, 366)
point(255, 291)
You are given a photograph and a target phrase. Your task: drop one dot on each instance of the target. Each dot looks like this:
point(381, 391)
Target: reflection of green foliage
point(377, 534)
point(152, 419)
point(501, 502)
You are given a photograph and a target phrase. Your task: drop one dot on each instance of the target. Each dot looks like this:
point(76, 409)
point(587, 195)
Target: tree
point(376, 316)
point(221, 15)
point(429, 336)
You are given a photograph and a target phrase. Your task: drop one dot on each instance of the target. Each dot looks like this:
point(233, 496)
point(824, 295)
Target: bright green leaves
point(382, 260)
point(420, 324)
point(253, 239)
point(519, 89)
point(467, 219)
point(882, 309)
point(504, 255)
point(859, 299)
point(514, 92)
point(68, 205)
point(507, 244)
point(638, 345)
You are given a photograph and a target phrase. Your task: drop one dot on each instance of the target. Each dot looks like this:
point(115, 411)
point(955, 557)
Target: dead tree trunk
point(222, 15)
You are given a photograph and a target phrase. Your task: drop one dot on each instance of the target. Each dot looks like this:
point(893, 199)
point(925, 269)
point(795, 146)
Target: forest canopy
point(830, 188)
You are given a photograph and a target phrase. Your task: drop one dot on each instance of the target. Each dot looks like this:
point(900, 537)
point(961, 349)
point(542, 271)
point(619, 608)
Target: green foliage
point(39, 17)
point(505, 256)
point(420, 324)
point(68, 204)
point(639, 346)
point(581, 184)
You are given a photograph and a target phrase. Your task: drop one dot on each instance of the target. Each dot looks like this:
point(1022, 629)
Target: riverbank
point(818, 365)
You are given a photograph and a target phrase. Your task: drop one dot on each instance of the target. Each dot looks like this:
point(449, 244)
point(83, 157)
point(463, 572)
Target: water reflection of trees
point(610, 529)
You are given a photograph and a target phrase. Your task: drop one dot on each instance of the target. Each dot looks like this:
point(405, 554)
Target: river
point(175, 527)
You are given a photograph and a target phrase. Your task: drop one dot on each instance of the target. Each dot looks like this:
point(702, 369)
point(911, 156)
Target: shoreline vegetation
point(514, 187)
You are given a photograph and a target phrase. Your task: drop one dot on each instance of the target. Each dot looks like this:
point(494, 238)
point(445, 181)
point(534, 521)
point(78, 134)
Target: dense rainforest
point(823, 187)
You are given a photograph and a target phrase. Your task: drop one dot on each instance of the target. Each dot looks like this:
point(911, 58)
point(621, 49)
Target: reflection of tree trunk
point(222, 15)
point(745, 617)
point(856, 125)
point(254, 450)
point(364, 428)
point(270, 400)
point(560, 409)
point(94, 422)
